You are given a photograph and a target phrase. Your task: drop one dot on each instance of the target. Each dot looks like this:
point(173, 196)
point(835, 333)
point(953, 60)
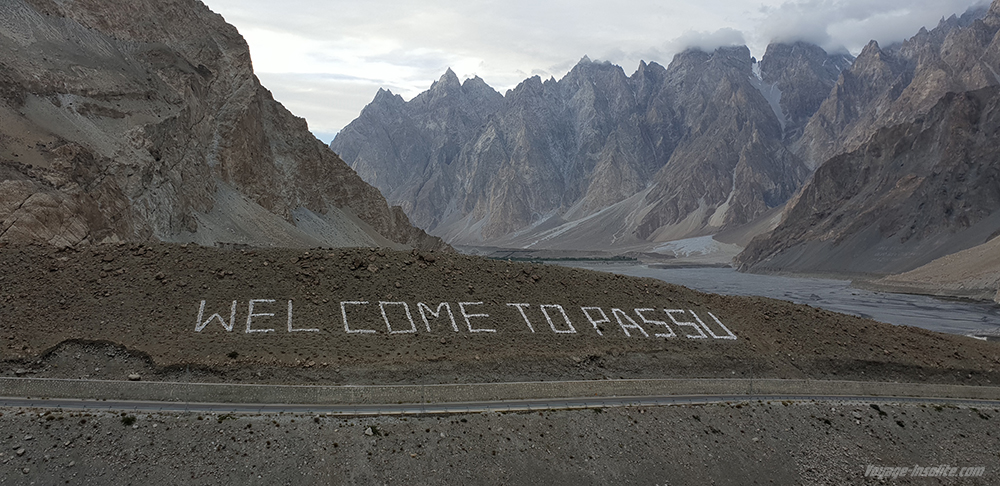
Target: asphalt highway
point(460, 407)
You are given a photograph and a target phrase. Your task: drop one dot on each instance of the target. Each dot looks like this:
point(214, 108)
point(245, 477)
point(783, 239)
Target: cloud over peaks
point(707, 41)
point(838, 24)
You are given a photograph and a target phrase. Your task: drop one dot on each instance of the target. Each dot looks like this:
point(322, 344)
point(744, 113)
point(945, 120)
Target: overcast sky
point(326, 59)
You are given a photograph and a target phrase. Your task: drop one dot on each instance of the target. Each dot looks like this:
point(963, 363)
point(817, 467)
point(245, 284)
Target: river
point(956, 317)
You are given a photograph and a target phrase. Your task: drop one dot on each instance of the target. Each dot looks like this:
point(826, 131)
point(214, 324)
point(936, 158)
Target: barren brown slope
point(142, 120)
point(971, 274)
point(149, 299)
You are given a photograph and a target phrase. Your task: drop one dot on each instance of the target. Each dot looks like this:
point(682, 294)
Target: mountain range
point(598, 158)
point(864, 166)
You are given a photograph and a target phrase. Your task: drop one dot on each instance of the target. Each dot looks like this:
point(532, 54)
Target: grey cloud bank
point(326, 60)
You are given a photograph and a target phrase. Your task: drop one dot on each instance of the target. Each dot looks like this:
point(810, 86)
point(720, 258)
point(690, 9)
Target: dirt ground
point(59, 309)
point(108, 312)
point(736, 443)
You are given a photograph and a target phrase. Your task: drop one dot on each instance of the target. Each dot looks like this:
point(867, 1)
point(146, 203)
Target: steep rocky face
point(554, 151)
point(799, 77)
point(406, 149)
point(897, 84)
point(730, 165)
point(143, 120)
point(914, 192)
point(600, 159)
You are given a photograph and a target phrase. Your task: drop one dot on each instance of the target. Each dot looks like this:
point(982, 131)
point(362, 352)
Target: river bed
point(956, 317)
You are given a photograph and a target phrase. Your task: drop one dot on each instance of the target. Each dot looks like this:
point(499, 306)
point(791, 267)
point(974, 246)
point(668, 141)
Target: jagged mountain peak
point(713, 140)
point(448, 80)
point(648, 72)
point(446, 85)
point(384, 100)
point(474, 81)
point(871, 49)
point(796, 77)
point(595, 72)
point(384, 95)
point(725, 57)
point(809, 51)
point(532, 85)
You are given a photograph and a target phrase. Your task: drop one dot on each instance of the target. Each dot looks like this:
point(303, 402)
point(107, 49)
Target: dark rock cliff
point(137, 120)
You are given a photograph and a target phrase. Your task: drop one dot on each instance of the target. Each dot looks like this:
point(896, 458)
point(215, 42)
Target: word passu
point(370, 317)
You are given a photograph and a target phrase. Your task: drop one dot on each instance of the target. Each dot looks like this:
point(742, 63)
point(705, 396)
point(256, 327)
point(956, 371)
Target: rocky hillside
point(920, 176)
point(900, 83)
point(598, 159)
point(143, 120)
point(913, 193)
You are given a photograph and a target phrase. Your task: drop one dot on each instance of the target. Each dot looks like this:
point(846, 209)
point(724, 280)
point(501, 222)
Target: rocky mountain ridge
point(913, 183)
point(913, 193)
point(598, 158)
point(899, 83)
point(144, 121)
point(893, 150)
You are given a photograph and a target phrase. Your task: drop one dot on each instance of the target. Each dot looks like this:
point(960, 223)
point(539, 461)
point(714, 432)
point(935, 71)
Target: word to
point(364, 317)
point(924, 472)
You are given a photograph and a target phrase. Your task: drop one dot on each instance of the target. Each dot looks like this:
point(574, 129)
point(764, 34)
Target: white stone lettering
point(604, 318)
point(251, 315)
point(619, 315)
point(670, 332)
point(671, 312)
point(467, 316)
point(343, 313)
point(393, 316)
point(521, 308)
point(729, 334)
point(199, 325)
point(290, 329)
point(571, 330)
point(406, 307)
point(422, 307)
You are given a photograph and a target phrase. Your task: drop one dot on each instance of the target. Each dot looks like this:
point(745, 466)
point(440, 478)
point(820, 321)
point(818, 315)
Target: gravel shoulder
point(735, 443)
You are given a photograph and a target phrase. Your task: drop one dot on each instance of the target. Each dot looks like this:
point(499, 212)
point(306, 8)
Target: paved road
point(460, 407)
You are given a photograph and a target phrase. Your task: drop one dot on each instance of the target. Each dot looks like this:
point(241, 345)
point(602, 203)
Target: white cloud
point(851, 24)
point(325, 59)
point(707, 41)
